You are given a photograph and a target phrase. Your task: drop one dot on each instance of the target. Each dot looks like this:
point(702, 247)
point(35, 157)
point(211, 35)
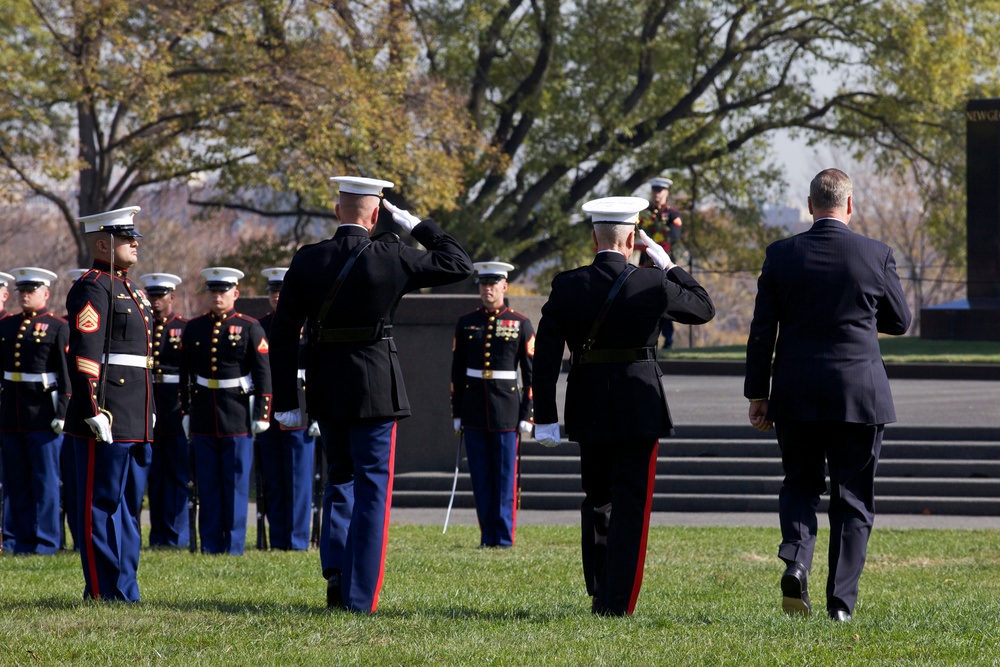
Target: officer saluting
point(168, 471)
point(491, 343)
point(345, 290)
point(226, 398)
point(32, 414)
point(111, 409)
point(287, 454)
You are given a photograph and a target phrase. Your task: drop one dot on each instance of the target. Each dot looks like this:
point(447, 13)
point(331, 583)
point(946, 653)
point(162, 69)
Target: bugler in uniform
point(35, 389)
point(288, 454)
point(111, 412)
point(345, 290)
point(226, 398)
point(168, 472)
point(491, 343)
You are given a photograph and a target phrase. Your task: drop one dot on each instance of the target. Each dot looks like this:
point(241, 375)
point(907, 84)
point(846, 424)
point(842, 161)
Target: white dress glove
point(547, 434)
point(57, 425)
point(259, 426)
point(457, 423)
point(403, 218)
point(524, 427)
point(290, 419)
point(101, 426)
point(656, 252)
point(186, 426)
point(314, 431)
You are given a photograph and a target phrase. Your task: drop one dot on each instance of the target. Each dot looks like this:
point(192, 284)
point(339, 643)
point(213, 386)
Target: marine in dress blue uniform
point(113, 440)
point(226, 399)
point(67, 463)
point(33, 401)
point(288, 455)
point(616, 406)
point(662, 224)
point(355, 385)
point(6, 281)
point(491, 343)
point(168, 471)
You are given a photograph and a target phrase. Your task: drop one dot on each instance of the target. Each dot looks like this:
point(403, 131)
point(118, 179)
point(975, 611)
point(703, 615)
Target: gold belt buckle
point(213, 384)
point(15, 377)
point(149, 363)
point(487, 374)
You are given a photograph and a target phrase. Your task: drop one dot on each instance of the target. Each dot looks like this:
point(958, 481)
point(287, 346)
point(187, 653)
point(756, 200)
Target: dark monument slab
point(978, 316)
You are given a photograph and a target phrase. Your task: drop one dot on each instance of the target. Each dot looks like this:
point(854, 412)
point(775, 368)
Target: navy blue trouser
point(493, 470)
point(110, 481)
point(356, 504)
point(851, 453)
point(31, 486)
point(618, 479)
point(168, 492)
point(287, 459)
point(222, 468)
point(67, 472)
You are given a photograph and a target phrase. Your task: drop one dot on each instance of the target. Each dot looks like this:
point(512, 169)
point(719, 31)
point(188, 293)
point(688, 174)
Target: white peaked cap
point(32, 275)
point(493, 268)
point(217, 275)
point(660, 182)
point(359, 185)
point(616, 210)
point(161, 282)
point(118, 221)
point(6, 278)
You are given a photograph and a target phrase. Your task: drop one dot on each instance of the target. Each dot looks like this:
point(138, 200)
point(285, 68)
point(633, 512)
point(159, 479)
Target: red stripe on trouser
point(385, 519)
point(641, 556)
point(88, 520)
point(517, 474)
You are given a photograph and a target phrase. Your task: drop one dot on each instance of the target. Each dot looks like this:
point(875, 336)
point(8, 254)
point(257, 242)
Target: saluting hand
point(403, 218)
point(656, 252)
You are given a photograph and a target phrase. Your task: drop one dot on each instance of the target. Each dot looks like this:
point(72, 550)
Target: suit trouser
point(168, 491)
point(618, 479)
point(222, 468)
point(851, 452)
point(287, 459)
point(493, 470)
point(110, 481)
point(356, 505)
point(31, 484)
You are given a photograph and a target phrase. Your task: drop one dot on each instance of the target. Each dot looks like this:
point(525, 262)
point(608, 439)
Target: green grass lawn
point(710, 597)
point(895, 349)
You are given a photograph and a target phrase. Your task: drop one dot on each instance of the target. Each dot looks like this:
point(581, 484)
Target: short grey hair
point(830, 189)
point(612, 234)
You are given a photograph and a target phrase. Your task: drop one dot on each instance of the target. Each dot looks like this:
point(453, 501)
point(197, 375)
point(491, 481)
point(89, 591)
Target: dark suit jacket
point(359, 380)
point(611, 401)
point(823, 297)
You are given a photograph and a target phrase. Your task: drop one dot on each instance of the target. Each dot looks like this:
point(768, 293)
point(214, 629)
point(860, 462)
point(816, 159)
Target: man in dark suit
point(355, 387)
point(616, 405)
point(823, 297)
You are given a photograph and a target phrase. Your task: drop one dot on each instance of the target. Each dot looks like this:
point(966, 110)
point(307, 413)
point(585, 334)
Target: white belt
point(45, 378)
point(302, 374)
point(491, 375)
point(133, 360)
point(244, 383)
point(167, 379)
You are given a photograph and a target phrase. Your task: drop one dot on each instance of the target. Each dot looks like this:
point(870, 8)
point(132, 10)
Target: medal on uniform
point(234, 333)
point(40, 329)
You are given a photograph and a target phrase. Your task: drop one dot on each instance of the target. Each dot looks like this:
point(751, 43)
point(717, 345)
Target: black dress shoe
point(334, 599)
point(840, 615)
point(795, 596)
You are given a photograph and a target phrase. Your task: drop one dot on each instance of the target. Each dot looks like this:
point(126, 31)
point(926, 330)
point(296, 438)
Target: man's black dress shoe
point(334, 599)
point(795, 597)
point(840, 615)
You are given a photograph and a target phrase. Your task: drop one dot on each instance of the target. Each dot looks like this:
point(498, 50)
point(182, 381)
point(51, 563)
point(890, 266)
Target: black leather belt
point(353, 335)
point(612, 356)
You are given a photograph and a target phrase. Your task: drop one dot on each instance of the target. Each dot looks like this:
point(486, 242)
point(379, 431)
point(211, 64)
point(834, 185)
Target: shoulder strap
point(332, 294)
point(587, 344)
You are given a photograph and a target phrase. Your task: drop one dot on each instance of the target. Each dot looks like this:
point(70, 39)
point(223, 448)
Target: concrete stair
point(922, 470)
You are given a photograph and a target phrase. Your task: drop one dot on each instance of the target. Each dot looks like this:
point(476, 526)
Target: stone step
point(707, 502)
